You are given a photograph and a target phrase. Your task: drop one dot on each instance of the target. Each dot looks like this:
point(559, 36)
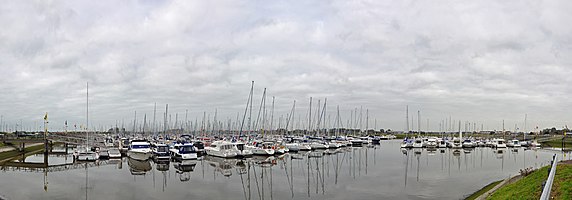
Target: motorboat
point(356, 142)
point(407, 143)
point(294, 147)
point(242, 151)
point(84, 154)
point(468, 144)
point(514, 143)
point(280, 149)
point(319, 145)
point(200, 147)
point(184, 151)
point(222, 149)
point(456, 143)
point(364, 139)
point(418, 143)
point(123, 145)
point(442, 143)
point(139, 150)
point(114, 153)
point(432, 143)
point(500, 143)
point(104, 154)
point(376, 139)
point(261, 148)
point(161, 152)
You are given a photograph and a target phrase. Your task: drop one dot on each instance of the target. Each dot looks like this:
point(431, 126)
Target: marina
point(369, 172)
point(285, 100)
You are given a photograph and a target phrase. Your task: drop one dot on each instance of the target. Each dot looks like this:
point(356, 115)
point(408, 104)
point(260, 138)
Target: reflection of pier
point(42, 167)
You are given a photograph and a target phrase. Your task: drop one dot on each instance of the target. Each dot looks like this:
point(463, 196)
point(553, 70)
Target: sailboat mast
point(407, 120)
point(87, 115)
point(418, 123)
point(310, 115)
point(272, 118)
point(154, 112)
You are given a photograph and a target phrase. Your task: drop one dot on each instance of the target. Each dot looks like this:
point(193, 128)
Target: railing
point(548, 185)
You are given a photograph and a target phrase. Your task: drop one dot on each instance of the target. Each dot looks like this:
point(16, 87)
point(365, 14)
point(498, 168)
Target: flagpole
point(46, 134)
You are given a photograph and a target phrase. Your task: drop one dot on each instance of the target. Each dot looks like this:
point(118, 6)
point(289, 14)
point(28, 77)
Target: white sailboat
point(457, 142)
point(85, 153)
point(418, 142)
point(406, 142)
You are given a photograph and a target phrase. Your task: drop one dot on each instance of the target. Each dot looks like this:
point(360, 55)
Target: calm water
point(380, 172)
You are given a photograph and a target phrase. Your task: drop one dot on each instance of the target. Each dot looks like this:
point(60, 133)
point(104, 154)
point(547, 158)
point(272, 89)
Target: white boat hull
point(139, 155)
point(263, 152)
point(222, 154)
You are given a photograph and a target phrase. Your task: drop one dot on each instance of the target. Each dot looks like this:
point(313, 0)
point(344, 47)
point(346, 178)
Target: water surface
point(378, 172)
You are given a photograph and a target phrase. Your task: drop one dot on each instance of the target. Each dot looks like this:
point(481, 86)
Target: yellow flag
point(46, 116)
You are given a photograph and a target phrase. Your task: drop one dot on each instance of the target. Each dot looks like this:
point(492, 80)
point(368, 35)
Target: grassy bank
point(562, 185)
point(529, 187)
point(483, 190)
point(11, 154)
point(558, 143)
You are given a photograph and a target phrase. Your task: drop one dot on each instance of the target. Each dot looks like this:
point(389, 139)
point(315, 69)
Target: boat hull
point(138, 155)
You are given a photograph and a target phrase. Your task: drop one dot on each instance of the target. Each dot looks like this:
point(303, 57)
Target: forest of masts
point(261, 120)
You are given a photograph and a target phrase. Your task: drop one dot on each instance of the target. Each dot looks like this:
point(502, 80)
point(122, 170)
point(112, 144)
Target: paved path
point(6, 148)
point(10, 148)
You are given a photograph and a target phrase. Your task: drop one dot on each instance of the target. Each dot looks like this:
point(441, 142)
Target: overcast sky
point(478, 61)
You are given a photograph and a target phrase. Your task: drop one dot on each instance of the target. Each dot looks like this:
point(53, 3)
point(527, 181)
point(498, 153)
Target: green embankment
point(562, 186)
point(529, 187)
point(13, 153)
point(558, 143)
point(483, 190)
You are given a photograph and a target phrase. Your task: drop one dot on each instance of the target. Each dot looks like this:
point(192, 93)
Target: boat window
point(140, 146)
point(163, 149)
point(187, 149)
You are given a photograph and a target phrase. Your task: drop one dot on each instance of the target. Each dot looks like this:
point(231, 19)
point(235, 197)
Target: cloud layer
point(481, 61)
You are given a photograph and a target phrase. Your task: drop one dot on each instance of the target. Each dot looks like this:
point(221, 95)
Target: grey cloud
point(480, 61)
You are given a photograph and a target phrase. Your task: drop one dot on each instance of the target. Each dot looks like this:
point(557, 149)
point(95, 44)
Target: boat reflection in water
point(222, 165)
point(184, 169)
point(162, 166)
point(138, 167)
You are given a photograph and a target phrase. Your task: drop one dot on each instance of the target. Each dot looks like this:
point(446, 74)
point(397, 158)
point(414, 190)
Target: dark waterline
point(379, 172)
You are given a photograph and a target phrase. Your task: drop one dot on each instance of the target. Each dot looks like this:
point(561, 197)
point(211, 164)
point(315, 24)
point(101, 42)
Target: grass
point(557, 143)
point(483, 190)
point(13, 153)
point(529, 187)
point(562, 186)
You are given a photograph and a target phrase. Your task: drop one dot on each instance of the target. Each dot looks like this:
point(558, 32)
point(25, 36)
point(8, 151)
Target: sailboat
point(457, 142)
point(85, 154)
point(418, 143)
point(406, 142)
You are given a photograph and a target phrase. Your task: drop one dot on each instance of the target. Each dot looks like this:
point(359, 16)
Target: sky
point(475, 61)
